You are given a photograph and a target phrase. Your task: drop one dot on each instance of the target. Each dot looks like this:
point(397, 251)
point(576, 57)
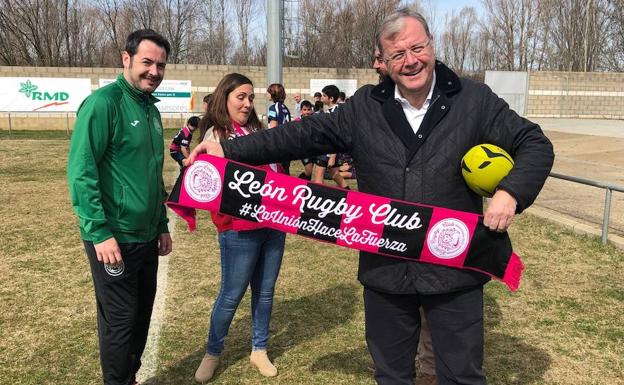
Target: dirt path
point(598, 158)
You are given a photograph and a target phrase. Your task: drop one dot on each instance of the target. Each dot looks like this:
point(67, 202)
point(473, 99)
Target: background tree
point(243, 11)
point(510, 26)
point(210, 40)
point(459, 38)
point(570, 35)
point(178, 21)
point(614, 55)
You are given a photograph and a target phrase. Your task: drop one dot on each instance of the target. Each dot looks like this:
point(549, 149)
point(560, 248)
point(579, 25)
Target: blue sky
point(448, 5)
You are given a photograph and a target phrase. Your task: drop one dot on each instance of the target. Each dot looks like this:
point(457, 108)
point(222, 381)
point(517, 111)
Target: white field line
point(149, 361)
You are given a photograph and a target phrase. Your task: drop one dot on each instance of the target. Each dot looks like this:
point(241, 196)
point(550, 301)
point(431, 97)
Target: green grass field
point(565, 325)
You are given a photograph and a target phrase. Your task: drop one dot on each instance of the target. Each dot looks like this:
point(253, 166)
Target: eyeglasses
point(416, 50)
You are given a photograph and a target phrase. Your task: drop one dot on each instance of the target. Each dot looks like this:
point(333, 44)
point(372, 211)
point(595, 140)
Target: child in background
point(343, 166)
point(206, 102)
point(307, 109)
point(179, 147)
point(342, 97)
point(318, 107)
point(278, 112)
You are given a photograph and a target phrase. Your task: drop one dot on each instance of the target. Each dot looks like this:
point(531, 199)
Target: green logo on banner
point(30, 90)
point(27, 88)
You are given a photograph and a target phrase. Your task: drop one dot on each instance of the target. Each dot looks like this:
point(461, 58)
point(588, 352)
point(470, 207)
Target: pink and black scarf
point(352, 219)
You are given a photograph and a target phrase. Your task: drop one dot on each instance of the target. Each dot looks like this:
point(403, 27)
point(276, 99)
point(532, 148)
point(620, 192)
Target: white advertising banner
point(512, 86)
point(174, 95)
point(30, 94)
point(348, 86)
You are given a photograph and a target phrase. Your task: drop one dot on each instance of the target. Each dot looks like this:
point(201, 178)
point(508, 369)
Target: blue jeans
point(248, 258)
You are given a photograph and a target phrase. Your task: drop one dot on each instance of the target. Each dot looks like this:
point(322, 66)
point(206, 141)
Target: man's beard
point(154, 79)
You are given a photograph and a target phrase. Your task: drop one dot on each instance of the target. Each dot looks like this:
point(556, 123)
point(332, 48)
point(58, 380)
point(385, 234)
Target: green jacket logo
point(30, 90)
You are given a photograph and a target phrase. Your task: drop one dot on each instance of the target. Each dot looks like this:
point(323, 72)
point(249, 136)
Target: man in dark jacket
point(407, 135)
point(425, 359)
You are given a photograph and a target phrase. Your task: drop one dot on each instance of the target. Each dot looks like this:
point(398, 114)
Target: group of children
point(337, 167)
point(331, 166)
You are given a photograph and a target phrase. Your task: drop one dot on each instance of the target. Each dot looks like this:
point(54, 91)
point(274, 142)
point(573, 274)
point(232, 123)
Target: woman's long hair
point(217, 115)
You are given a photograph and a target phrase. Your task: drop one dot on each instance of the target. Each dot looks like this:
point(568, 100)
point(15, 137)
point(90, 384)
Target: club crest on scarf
point(448, 238)
point(203, 182)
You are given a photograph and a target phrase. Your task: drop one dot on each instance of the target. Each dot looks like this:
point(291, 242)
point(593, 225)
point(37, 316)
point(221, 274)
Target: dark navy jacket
point(394, 162)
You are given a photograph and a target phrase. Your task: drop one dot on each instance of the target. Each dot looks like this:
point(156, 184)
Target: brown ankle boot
point(207, 368)
point(260, 360)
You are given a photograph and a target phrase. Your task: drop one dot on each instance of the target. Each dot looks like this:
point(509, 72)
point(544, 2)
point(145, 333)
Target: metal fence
point(64, 121)
point(609, 188)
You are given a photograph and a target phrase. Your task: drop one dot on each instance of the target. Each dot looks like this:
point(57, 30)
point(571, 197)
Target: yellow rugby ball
point(484, 166)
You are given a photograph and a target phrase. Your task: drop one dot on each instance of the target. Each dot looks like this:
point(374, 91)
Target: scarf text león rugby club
point(385, 226)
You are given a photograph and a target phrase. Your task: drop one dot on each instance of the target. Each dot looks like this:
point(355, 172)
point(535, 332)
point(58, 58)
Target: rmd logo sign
point(30, 91)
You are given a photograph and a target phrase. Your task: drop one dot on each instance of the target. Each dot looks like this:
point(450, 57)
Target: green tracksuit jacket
point(115, 166)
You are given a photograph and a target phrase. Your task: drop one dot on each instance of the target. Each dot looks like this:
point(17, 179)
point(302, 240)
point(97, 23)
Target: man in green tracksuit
point(115, 179)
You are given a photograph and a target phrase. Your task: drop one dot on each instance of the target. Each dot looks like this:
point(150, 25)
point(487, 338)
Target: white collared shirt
point(414, 115)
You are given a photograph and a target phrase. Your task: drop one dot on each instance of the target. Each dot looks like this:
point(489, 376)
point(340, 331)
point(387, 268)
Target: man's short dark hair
point(317, 94)
point(306, 103)
point(342, 96)
point(207, 98)
point(331, 91)
point(136, 37)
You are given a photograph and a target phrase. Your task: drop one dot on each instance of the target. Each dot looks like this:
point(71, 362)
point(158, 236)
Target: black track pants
point(124, 296)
